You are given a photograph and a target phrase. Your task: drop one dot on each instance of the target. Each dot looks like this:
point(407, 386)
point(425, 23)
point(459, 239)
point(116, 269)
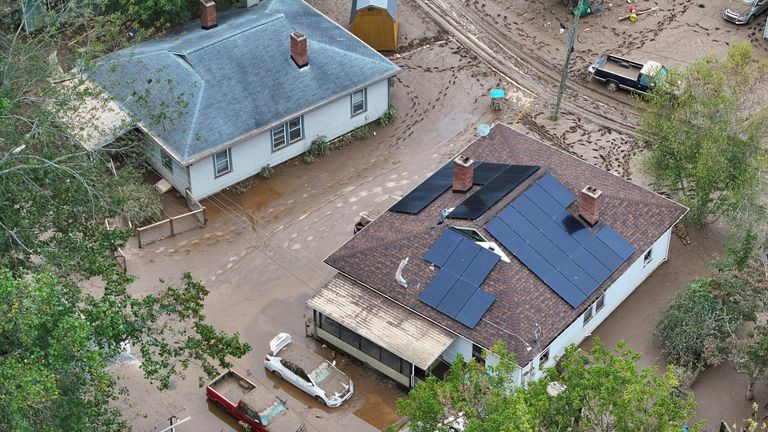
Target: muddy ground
point(261, 253)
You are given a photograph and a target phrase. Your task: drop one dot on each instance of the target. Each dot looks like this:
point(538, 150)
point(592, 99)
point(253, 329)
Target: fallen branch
point(638, 13)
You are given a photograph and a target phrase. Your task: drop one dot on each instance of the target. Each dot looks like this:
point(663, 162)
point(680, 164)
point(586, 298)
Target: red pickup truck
point(252, 404)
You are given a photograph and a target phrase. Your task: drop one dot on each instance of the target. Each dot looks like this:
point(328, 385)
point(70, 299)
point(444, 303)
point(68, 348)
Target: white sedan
point(308, 371)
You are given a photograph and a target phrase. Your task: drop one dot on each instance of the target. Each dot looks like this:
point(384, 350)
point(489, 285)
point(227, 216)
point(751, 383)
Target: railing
point(170, 227)
point(119, 255)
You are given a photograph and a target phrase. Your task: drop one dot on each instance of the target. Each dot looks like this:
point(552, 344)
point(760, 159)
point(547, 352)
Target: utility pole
point(568, 51)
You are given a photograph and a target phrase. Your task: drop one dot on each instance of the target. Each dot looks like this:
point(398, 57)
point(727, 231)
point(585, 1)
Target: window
point(278, 137)
point(350, 337)
point(599, 303)
point(405, 368)
point(648, 256)
point(370, 348)
point(329, 325)
point(295, 131)
point(543, 358)
point(477, 353)
point(588, 315)
point(287, 133)
point(221, 163)
point(358, 102)
point(471, 233)
point(166, 160)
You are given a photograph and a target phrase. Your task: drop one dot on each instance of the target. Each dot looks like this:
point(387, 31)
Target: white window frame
point(588, 315)
point(228, 154)
point(543, 358)
point(166, 160)
point(281, 135)
point(353, 102)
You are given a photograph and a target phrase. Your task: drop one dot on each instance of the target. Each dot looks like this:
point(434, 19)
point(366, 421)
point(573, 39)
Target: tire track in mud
point(541, 78)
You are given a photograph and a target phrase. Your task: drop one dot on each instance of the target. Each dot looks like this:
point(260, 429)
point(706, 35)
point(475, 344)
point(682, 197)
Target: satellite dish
point(483, 130)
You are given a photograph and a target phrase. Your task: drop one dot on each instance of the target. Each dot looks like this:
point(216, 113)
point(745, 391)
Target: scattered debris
point(636, 13)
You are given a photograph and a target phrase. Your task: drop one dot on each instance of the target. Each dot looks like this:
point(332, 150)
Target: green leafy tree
point(601, 390)
point(606, 391)
point(749, 356)
point(706, 129)
point(55, 340)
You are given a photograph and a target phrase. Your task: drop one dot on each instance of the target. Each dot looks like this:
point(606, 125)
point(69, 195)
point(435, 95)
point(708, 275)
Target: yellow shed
point(375, 22)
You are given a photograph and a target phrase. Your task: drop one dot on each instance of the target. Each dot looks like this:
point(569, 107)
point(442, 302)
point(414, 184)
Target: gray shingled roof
point(199, 89)
point(389, 5)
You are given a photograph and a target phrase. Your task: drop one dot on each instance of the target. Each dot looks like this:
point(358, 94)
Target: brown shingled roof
point(522, 299)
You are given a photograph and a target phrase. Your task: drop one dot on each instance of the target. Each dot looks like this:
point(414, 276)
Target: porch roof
point(382, 321)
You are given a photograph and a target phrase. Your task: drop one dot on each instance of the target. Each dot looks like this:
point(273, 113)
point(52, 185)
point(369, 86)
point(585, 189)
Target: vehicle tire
point(750, 19)
point(612, 85)
point(277, 374)
point(321, 400)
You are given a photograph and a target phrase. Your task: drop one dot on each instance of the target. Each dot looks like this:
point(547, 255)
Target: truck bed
point(232, 386)
point(616, 66)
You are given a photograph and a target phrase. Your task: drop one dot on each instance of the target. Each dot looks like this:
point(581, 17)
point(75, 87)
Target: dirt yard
point(261, 254)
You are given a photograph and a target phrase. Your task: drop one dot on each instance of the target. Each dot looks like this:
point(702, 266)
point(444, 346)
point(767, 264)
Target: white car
point(308, 371)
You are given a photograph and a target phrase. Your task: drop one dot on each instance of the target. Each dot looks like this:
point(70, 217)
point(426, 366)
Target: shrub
point(319, 148)
point(266, 172)
point(361, 133)
point(388, 116)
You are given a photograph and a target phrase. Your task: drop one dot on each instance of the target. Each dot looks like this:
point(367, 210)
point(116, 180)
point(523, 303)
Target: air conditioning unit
point(248, 3)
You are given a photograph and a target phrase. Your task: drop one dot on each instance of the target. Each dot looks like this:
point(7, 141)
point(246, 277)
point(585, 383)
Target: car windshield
point(321, 372)
point(746, 2)
point(273, 411)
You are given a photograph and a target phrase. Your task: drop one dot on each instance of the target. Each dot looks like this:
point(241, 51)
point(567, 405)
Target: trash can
point(582, 9)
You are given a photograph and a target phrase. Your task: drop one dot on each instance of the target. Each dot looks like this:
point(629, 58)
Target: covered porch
point(379, 332)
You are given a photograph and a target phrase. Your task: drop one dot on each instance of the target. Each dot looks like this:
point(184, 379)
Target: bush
point(266, 172)
point(319, 148)
point(694, 329)
point(138, 201)
point(359, 134)
point(388, 116)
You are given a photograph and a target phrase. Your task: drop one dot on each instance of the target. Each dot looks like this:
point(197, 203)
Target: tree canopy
point(706, 130)
point(57, 334)
point(600, 390)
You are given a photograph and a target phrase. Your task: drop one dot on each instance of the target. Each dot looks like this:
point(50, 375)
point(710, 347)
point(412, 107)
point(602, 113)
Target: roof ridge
point(235, 33)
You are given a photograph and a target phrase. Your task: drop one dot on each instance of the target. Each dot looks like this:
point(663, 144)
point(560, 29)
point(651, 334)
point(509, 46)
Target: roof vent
point(299, 49)
point(463, 171)
point(590, 203)
point(208, 14)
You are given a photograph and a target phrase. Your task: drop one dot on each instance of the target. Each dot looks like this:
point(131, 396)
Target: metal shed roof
point(382, 321)
point(389, 5)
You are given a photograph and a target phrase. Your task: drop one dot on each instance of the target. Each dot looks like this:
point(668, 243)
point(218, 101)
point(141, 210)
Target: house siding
point(331, 120)
point(614, 296)
point(179, 178)
point(459, 346)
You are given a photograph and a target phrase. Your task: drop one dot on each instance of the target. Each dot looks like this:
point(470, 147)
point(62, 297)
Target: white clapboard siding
point(330, 120)
point(177, 176)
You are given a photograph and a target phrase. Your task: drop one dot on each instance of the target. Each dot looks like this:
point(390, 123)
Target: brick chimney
point(590, 203)
point(208, 14)
point(299, 49)
point(462, 173)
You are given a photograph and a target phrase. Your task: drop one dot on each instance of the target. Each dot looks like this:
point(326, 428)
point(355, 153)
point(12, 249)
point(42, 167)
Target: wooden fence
point(170, 227)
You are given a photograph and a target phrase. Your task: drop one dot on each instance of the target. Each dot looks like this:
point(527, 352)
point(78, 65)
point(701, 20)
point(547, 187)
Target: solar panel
point(434, 293)
point(456, 298)
point(613, 240)
point(464, 253)
point(475, 308)
point(556, 246)
point(478, 203)
point(480, 267)
point(464, 266)
point(556, 190)
point(485, 171)
point(443, 247)
point(426, 192)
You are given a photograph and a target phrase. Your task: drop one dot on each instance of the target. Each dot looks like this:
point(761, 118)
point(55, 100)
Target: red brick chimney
point(208, 14)
point(590, 204)
point(462, 173)
point(299, 49)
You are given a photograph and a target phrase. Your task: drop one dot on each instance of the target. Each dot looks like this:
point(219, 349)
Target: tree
point(56, 338)
point(706, 131)
point(602, 390)
point(749, 356)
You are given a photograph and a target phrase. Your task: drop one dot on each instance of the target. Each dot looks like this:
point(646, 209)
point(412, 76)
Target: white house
point(538, 249)
point(250, 87)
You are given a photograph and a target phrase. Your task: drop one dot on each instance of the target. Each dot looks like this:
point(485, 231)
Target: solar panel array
point(495, 189)
point(563, 252)
point(455, 290)
point(428, 191)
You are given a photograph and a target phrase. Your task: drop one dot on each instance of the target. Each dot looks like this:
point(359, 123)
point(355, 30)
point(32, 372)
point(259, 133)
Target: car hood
point(331, 380)
point(284, 421)
point(739, 8)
